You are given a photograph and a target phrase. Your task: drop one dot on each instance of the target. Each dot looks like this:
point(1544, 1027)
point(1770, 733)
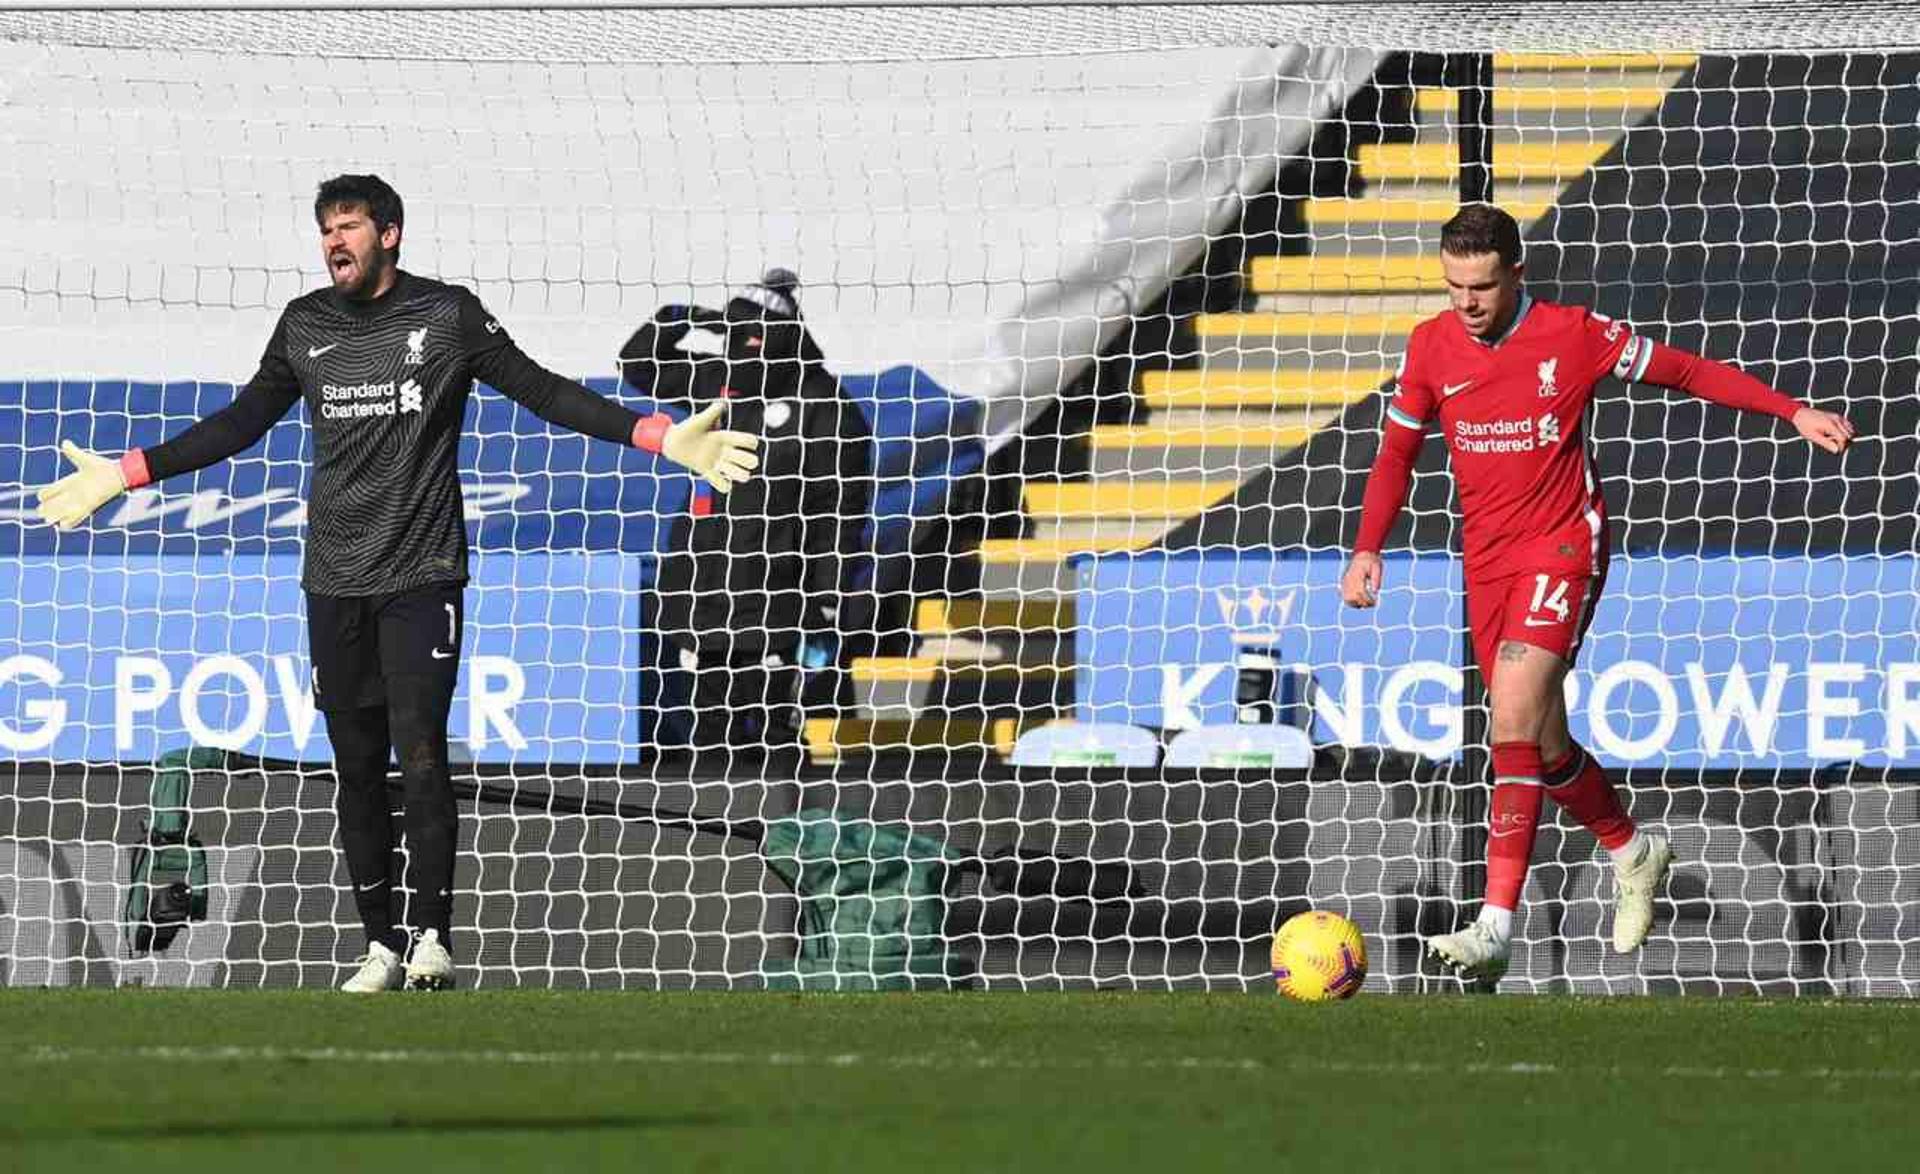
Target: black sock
point(360, 756)
point(417, 713)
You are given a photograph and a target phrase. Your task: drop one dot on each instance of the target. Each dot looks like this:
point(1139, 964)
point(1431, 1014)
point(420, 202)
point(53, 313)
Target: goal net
point(1115, 293)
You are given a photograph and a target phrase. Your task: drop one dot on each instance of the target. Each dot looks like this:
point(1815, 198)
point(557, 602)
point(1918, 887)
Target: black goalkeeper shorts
point(357, 642)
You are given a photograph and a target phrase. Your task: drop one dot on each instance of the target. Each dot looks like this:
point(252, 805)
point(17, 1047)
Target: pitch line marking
point(59, 1054)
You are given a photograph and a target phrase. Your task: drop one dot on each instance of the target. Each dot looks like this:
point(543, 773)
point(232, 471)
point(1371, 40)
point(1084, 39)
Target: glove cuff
point(650, 433)
point(133, 468)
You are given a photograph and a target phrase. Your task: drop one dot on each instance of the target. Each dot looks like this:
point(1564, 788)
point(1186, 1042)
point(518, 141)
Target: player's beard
point(358, 281)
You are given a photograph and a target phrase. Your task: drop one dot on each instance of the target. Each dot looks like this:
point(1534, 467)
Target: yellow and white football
point(1319, 956)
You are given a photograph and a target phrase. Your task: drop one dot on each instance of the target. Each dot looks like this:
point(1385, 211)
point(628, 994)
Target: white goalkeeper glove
point(94, 482)
point(724, 458)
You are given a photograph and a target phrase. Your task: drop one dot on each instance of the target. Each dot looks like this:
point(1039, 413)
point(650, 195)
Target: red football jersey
point(1513, 412)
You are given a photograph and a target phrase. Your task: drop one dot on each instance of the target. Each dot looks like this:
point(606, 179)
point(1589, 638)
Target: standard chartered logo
point(1493, 436)
point(357, 401)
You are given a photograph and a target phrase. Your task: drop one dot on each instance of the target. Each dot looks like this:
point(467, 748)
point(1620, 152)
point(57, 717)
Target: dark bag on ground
point(167, 873)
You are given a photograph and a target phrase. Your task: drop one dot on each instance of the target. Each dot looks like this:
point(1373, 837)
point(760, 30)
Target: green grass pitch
point(279, 1082)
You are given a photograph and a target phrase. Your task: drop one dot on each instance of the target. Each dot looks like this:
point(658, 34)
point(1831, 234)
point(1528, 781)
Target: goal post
point(1119, 738)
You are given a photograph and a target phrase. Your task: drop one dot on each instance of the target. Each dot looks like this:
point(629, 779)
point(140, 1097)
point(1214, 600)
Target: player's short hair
point(371, 192)
point(1482, 228)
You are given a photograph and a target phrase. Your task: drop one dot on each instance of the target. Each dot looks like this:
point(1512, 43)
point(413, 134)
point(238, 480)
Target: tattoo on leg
point(1511, 650)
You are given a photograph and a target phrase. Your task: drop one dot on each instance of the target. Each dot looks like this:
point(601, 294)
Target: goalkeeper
point(385, 361)
point(1509, 379)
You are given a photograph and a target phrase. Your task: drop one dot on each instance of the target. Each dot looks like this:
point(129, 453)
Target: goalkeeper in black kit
point(385, 361)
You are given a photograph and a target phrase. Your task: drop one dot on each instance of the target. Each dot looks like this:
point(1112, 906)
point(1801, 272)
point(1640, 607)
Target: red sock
point(1512, 819)
point(1578, 784)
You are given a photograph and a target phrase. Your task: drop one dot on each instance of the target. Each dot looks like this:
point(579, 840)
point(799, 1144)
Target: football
point(1319, 956)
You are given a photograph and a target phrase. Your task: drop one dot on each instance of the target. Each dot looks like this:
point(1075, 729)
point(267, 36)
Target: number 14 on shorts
point(1543, 609)
point(1549, 604)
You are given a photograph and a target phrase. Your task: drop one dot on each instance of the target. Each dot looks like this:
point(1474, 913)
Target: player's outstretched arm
point(1724, 384)
point(97, 480)
point(724, 458)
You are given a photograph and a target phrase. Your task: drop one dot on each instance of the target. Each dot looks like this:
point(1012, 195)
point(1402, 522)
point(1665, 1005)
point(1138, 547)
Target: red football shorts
point(1545, 609)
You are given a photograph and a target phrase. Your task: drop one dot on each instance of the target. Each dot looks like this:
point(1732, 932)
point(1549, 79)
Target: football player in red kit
point(1508, 377)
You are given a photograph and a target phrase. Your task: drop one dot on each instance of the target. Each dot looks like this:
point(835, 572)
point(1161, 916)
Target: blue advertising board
point(119, 658)
point(1709, 662)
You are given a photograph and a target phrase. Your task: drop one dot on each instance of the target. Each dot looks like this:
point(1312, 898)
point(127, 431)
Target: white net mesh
point(1116, 291)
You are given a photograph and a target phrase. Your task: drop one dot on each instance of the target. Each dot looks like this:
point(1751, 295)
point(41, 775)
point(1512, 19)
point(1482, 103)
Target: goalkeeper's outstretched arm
point(97, 480)
point(724, 458)
point(1731, 387)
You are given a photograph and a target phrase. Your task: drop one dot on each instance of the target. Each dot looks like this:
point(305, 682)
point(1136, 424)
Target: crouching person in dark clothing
point(754, 593)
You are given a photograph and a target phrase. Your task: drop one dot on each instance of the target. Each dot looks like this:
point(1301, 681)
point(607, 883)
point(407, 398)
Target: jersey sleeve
point(497, 362)
point(258, 405)
point(1614, 349)
point(1391, 476)
point(1718, 383)
point(480, 333)
point(1634, 358)
point(1413, 398)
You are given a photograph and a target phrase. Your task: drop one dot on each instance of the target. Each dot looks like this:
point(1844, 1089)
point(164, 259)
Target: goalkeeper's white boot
point(1477, 953)
point(429, 966)
point(1636, 881)
point(380, 970)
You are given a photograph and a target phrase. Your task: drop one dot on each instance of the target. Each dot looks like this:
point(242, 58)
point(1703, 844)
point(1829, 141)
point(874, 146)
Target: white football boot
point(1476, 953)
point(380, 970)
point(1635, 884)
point(429, 966)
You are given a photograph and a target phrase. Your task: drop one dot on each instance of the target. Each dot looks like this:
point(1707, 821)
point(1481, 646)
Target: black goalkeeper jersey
point(386, 384)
